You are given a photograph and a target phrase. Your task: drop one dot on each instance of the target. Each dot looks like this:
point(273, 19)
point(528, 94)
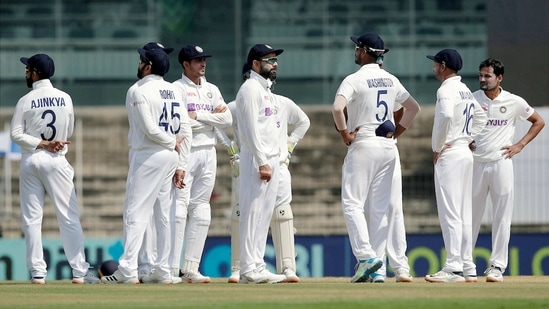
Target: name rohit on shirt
point(48, 102)
point(379, 82)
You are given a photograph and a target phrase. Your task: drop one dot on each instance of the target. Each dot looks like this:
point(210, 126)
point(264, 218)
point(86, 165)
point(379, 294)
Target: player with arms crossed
point(370, 95)
point(160, 147)
point(207, 111)
point(42, 123)
point(492, 172)
point(458, 120)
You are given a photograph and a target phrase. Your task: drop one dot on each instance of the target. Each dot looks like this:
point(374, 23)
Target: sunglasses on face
point(271, 60)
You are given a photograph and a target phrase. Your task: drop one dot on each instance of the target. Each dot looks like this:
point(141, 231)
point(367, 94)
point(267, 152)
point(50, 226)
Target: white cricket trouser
point(257, 202)
point(284, 195)
point(199, 183)
point(394, 246)
point(497, 179)
point(147, 252)
point(149, 191)
point(367, 177)
point(453, 188)
point(44, 173)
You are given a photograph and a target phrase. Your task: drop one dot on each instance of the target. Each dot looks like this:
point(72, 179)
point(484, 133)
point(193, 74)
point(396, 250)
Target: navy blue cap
point(189, 52)
point(448, 57)
point(154, 45)
point(259, 50)
point(371, 42)
point(386, 129)
point(41, 63)
point(158, 59)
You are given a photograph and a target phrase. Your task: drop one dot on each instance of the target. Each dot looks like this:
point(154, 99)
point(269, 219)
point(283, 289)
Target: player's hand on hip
point(348, 137)
point(511, 151)
point(265, 172)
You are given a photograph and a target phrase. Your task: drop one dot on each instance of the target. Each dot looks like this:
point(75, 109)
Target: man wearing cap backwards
point(160, 146)
point(259, 177)
point(42, 123)
point(282, 227)
point(207, 111)
point(458, 120)
point(492, 173)
point(370, 95)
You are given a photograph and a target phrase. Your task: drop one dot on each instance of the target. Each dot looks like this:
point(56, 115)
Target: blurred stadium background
point(94, 42)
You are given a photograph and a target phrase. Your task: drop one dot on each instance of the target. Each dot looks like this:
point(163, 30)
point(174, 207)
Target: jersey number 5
point(381, 103)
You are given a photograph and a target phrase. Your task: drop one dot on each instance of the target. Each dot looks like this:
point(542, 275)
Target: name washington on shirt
point(379, 82)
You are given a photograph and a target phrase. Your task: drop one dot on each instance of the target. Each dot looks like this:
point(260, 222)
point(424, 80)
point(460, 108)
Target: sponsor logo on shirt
point(497, 122)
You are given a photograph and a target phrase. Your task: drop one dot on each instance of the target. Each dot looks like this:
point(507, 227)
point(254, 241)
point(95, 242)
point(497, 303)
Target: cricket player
point(493, 167)
point(458, 121)
point(369, 133)
point(42, 123)
point(158, 151)
point(259, 162)
point(282, 228)
point(207, 111)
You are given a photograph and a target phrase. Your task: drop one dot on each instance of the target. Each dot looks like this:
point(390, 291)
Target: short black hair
point(495, 64)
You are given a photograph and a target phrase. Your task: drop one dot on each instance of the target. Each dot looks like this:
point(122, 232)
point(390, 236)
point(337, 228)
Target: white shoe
point(494, 274)
point(154, 278)
point(38, 280)
point(403, 275)
point(195, 277)
point(376, 278)
point(253, 277)
point(117, 277)
point(235, 276)
point(87, 278)
point(470, 278)
point(272, 278)
point(143, 273)
point(445, 277)
point(365, 268)
point(290, 275)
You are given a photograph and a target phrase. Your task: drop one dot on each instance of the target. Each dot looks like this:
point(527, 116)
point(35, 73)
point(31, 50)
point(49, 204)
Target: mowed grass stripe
point(514, 292)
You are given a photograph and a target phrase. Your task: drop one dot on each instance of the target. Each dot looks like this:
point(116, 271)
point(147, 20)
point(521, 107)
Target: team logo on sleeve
point(503, 109)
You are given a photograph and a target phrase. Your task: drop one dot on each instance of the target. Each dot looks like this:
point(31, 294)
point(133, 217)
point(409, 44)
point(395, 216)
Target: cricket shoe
point(470, 278)
point(403, 275)
point(195, 277)
point(365, 268)
point(376, 278)
point(117, 277)
point(88, 278)
point(494, 274)
point(155, 278)
point(38, 280)
point(253, 277)
point(290, 275)
point(235, 276)
point(142, 274)
point(445, 277)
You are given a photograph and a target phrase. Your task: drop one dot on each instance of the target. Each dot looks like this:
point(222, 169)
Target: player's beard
point(140, 73)
point(29, 82)
point(265, 72)
point(487, 87)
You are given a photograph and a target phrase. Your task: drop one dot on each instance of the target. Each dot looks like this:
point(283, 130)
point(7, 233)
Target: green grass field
point(514, 292)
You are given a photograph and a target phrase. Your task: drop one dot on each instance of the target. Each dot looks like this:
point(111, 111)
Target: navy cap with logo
point(158, 59)
point(448, 57)
point(259, 50)
point(154, 45)
point(40, 63)
point(371, 42)
point(189, 52)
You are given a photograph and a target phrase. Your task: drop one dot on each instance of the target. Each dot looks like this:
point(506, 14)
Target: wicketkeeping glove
point(233, 151)
point(291, 147)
